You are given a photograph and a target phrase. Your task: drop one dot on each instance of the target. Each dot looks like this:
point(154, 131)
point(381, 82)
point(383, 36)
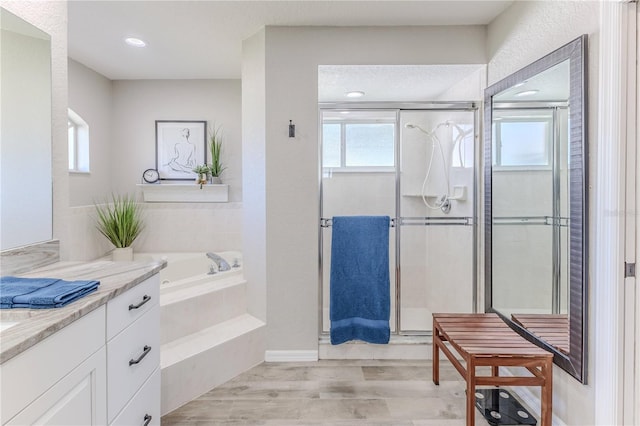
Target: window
point(78, 138)
point(524, 141)
point(358, 144)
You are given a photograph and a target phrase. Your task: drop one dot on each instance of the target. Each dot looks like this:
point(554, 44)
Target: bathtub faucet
point(222, 264)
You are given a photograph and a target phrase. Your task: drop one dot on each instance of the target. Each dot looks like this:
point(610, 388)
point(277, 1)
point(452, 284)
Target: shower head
point(415, 126)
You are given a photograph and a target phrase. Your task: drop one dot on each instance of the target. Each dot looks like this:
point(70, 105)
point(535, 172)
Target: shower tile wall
point(436, 261)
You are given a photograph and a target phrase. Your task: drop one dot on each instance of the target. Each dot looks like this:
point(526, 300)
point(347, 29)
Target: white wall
point(523, 33)
point(254, 173)
point(121, 116)
point(90, 96)
point(290, 219)
point(51, 17)
point(137, 104)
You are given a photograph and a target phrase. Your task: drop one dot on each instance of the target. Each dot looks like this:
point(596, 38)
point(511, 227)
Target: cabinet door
point(32, 373)
point(77, 399)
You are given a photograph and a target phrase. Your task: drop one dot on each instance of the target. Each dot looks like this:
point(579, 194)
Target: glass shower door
point(358, 178)
point(436, 211)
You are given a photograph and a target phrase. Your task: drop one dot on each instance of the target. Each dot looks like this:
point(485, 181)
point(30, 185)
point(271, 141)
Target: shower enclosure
point(417, 164)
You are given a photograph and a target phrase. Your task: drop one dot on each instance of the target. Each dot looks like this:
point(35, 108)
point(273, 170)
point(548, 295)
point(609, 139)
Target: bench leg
point(547, 393)
point(471, 392)
point(435, 371)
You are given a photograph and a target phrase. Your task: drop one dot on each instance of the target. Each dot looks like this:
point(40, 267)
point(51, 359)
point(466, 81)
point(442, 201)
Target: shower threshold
point(399, 347)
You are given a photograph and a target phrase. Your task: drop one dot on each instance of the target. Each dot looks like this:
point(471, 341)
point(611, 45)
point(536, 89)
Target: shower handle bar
point(408, 221)
point(326, 222)
point(532, 220)
point(431, 221)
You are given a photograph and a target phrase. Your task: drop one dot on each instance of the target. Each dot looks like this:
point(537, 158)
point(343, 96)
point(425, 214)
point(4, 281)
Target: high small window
point(78, 138)
point(523, 141)
point(358, 144)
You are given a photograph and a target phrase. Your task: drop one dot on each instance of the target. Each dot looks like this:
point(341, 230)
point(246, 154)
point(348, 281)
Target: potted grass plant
point(120, 221)
point(215, 150)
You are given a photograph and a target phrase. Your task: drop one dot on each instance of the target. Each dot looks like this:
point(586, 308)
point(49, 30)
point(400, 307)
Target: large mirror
point(535, 203)
point(25, 142)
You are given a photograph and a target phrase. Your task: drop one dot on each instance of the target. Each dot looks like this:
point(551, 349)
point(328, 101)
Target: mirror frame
point(575, 363)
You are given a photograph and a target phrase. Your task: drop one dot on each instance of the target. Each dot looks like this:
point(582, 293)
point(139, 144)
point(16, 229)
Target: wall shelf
point(184, 193)
point(459, 194)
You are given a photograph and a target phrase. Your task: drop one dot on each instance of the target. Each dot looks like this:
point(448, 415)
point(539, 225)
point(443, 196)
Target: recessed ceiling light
point(354, 94)
point(135, 42)
point(344, 112)
point(527, 93)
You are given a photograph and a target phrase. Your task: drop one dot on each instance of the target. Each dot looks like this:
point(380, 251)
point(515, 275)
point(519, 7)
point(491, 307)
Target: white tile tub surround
point(189, 227)
point(204, 325)
point(168, 227)
point(197, 301)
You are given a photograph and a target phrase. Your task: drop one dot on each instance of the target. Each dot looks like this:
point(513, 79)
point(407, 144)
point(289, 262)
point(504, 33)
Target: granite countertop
point(33, 325)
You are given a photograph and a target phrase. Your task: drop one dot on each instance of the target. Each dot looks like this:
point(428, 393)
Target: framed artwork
point(180, 146)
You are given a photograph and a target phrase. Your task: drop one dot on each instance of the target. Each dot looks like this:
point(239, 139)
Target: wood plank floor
point(345, 392)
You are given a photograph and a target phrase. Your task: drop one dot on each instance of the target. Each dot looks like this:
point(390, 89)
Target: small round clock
point(151, 176)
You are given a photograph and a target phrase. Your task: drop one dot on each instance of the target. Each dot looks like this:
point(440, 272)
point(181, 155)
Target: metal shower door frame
point(398, 107)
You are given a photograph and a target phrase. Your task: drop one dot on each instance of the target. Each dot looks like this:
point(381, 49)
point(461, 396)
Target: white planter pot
point(122, 254)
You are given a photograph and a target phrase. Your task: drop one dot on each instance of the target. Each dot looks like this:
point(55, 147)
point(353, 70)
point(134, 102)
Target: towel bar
point(327, 222)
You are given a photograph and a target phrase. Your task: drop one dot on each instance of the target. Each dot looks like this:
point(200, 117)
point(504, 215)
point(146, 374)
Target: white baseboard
point(530, 399)
point(291, 356)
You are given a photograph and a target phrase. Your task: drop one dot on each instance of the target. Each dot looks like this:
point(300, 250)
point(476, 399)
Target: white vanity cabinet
point(61, 380)
point(103, 368)
point(133, 356)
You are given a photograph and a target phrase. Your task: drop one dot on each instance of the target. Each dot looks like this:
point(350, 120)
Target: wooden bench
point(484, 340)
point(553, 329)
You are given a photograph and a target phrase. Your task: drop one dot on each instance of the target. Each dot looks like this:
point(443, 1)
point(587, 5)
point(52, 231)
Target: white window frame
point(79, 145)
point(343, 168)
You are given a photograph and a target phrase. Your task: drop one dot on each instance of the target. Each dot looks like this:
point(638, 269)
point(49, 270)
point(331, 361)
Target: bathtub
point(187, 270)
point(192, 299)
point(203, 322)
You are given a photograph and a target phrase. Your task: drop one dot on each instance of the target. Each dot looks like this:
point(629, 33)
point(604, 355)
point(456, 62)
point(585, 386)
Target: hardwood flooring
point(344, 392)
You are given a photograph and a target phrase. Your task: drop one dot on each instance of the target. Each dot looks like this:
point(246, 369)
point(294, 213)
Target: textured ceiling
point(389, 82)
point(203, 39)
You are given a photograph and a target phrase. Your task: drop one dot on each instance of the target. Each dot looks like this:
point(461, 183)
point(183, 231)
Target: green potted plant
point(201, 172)
point(215, 150)
point(120, 221)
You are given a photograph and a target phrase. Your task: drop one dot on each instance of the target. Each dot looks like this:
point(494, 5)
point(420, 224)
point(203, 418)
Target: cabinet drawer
point(144, 404)
point(131, 358)
point(131, 305)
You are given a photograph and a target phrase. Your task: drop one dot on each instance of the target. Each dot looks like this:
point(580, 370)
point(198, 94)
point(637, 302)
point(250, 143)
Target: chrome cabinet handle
point(145, 299)
point(147, 349)
point(147, 419)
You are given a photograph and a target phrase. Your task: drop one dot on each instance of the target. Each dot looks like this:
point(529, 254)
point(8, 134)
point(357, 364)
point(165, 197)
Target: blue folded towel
point(42, 293)
point(359, 285)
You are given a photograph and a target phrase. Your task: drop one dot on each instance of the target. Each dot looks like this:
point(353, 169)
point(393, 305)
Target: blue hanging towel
point(359, 286)
point(42, 293)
